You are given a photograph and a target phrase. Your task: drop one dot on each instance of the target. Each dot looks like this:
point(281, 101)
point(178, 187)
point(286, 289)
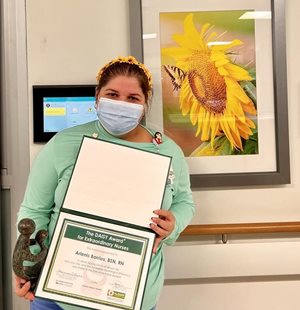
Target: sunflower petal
point(227, 46)
point(222, 71)
point(234, 141)
point(222, 62)
point(234, 105)
point(244, 128)
point(176, 52)
point(201, 116)
point(217, 55)
point(236, 89)
point(206, 127)
point(185, 106)
point(238, 73)
point(193, 112)
point(185, 101)
point(191, 39)
point(249, 108)
point(250, 123)
point(214, 127)
point(211, 37)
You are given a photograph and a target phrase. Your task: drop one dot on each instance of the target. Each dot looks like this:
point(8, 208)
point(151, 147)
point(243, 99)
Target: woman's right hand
point(23, 288)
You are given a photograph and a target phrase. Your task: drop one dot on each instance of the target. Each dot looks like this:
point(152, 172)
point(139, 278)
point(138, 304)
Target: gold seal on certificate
point(101, 248)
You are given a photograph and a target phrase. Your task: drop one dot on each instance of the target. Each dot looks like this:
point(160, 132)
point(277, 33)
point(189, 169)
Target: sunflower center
point(207, 85)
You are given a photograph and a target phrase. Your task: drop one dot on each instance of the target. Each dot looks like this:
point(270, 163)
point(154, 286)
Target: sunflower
point(209, 85)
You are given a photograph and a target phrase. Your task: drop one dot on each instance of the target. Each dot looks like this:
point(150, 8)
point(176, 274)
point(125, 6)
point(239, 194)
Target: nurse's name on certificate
point(103, 265)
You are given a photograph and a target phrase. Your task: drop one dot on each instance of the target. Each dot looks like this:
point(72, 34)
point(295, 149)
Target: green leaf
point(221, 146)
point(250, 90)
point(250, 146)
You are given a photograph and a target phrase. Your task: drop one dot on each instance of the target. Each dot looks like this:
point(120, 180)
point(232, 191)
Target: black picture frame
point(282, 173)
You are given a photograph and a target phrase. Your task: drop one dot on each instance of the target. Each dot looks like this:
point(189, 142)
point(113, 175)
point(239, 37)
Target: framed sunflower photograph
point(220, 91)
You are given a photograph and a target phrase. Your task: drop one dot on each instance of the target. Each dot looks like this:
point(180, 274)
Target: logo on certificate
point(116, 294)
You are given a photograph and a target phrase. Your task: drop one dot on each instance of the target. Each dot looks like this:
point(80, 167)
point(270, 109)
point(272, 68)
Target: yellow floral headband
point(129, 60)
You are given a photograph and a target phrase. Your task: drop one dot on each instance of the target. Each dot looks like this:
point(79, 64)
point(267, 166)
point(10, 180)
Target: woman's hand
point(163, 225)
point(23, 288)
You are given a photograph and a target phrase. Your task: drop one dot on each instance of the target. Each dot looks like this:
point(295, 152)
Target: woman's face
point(123, 88)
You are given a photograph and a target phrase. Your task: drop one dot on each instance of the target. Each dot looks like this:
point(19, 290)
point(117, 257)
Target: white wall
point(267, 295)
point(67, 42)
point(71, 44)
point(224, 283)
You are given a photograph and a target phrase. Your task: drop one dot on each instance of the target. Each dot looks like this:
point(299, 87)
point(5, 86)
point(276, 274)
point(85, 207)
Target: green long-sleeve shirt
point(50, 175)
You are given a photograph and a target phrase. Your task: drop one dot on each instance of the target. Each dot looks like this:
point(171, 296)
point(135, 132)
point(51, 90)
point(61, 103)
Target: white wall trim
point(233, 260)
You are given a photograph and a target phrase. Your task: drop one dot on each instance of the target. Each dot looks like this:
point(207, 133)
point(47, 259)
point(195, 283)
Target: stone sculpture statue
point(22, 253)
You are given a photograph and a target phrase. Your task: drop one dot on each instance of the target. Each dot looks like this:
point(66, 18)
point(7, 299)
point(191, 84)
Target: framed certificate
point(101, 248)
point(96, 264)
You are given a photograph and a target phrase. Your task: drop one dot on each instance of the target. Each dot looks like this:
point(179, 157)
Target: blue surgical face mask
point(119, 117)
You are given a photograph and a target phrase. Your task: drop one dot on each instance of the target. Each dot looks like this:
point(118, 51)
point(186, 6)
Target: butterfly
point(176, 74)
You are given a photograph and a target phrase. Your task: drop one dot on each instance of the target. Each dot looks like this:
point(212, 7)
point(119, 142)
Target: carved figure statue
point(23, 254)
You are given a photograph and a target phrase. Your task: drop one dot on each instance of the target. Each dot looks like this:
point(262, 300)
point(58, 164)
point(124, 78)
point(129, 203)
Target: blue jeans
point(44, 304)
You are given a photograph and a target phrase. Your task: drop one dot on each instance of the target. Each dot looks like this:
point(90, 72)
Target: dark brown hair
point(129, 70)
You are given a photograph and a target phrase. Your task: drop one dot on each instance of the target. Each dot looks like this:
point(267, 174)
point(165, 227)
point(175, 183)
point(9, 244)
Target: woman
point(122, 96)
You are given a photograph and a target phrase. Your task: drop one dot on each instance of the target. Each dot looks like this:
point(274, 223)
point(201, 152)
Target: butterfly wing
point(176, 74)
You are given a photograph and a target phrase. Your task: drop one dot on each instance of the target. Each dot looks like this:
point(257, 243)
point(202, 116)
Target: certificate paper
point(101, 248)
point(117, 182)
point(97, 264)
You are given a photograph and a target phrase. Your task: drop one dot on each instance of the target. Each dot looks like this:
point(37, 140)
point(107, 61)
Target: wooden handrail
point(243, 228)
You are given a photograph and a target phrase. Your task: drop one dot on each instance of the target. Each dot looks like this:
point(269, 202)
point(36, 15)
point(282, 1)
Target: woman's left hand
point(163, 225)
